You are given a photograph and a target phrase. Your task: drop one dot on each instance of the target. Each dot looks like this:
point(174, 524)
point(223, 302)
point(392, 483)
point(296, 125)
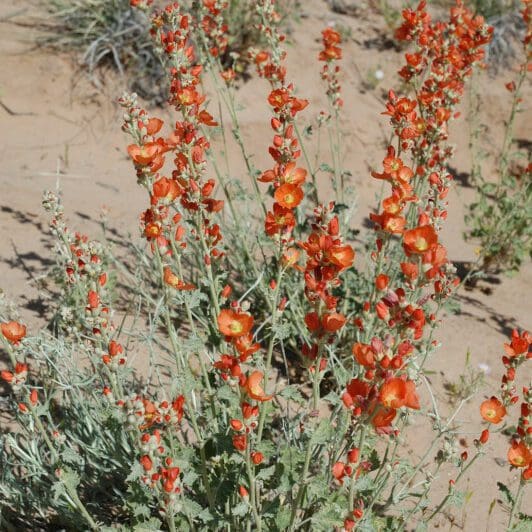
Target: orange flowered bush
point(282, 361)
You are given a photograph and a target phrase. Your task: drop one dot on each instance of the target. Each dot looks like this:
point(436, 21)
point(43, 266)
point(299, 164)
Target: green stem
point(310, 448)
point(309, 164)
point(352, 482)
point(193, 417)
point(422, 498)
point(71, 490)
point(252, 490)
point(445, 500)
point(517, 503)
point(271, 344)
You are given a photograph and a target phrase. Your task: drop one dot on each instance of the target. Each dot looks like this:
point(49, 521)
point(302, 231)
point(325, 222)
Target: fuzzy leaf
point(267, 448)
point(193, 508)
point(151, 525)
point(193, 298)
point(328, 518)
point(457, 498)
point(140, 510)
point(503, 488)
point(70, 478)
point(292, 393)
point(323, 433)
point(241, 509)
point(58, 489)
point(71, 457)
point(282, 519)
point(265, 473)
point(136, 472)
point(283, 331)
point(318, 488)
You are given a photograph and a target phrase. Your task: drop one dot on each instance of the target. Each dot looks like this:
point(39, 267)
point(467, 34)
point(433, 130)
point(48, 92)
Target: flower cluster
point(11, 335)
point(327, 257)
point(171, 32)
point(84, 269)
point(330, 54)
point(151, 421)
point(287, 179)
point(13, 331)
point(17, 378)
point(495, 409)
point(213, 26)
point(269, 63)
point(85, 273)
point(236, 324)
point(413, 212)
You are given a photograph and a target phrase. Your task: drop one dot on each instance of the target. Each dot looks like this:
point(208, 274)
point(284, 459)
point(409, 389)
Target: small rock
point(346, 7)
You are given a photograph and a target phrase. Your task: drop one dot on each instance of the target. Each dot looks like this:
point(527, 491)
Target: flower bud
point(353, 455)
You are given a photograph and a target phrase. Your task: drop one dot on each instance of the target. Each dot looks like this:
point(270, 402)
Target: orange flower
point(331, 36)
point(143, 155)
point(392, 205)
point(154, 125)
point(240, 442)
point(312, 321)
point(167, 189)
point(519, 344)
point(341, 256)
point(330, 53)
point(364, 355)
point(338, 471)
point(519, 455)
point(420, 240)
point(396, 393)
point(254, 389)
point(278, 98)
point(234, 324)
point(383, 417)
point(410, 270)
point(392, 164)
point(280, 220)
point(389, 222)
point(245, 346)
point(13, 331)
point(34, 397)
point(173, 280)
point(356, 391)
point(393, 393)
point(412, 399)
point(293, 175)
point(146, 463)
point(381, 282)
point(289, 196)
point(206, 118)
point(492, 410)
point(290, 258)
point(333, 321)
point(257, 458)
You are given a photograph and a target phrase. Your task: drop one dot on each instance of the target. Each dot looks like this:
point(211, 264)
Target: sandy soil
point(64, 131)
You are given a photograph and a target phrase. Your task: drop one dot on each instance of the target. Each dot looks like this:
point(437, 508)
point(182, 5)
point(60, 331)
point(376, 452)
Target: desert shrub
point(499, 218)
point(278, 382)
point(112, 33)
point(494, 411)
point(509, 29)
point(106, 33)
